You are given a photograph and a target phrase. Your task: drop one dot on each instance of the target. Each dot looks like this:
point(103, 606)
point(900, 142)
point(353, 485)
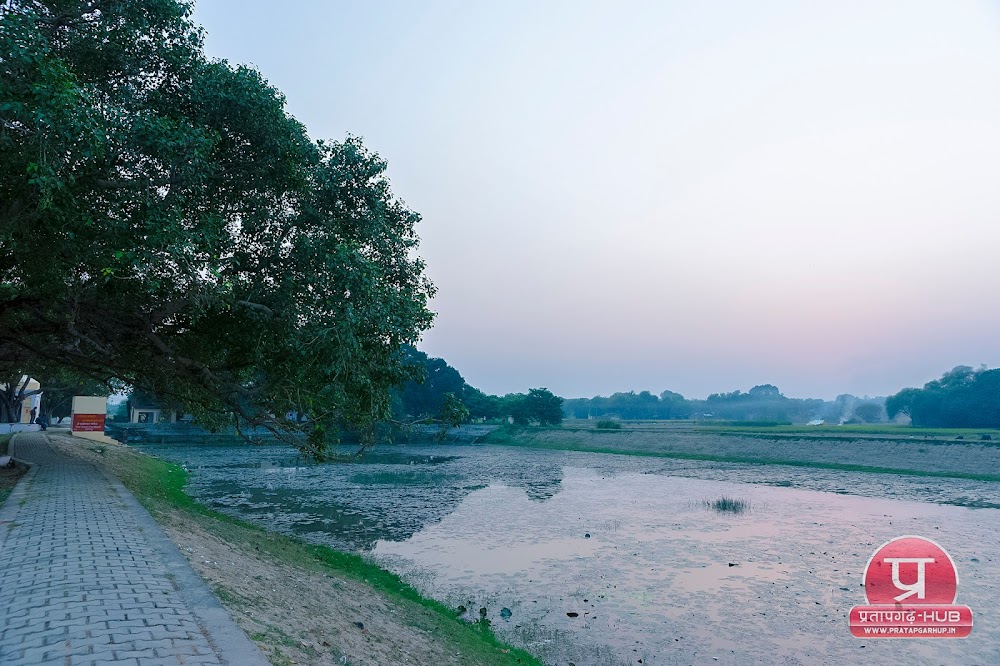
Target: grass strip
point(897, 431)
point(803, 437)
point(7, 485)
point(508, 439)
point(159, 484)
point(902, 432)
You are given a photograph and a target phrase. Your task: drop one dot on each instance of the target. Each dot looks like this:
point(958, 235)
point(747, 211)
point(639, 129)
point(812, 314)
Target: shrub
point(609, 425)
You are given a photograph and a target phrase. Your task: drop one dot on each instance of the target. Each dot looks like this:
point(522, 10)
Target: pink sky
point(695, 196)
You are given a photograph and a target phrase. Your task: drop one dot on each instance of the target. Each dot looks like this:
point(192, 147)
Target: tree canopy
point(438, 392)
point(539, 406)
point(869, 412)
point(424, 396)
point(962, 398)
point(165, 221)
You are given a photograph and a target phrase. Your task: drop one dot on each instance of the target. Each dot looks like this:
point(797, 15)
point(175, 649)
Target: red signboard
point(88, 422)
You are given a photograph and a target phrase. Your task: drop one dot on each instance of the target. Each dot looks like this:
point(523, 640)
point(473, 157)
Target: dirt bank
point(9, 477)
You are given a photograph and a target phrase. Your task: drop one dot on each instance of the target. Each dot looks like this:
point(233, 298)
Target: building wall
point(152, 415)
point(31, 402)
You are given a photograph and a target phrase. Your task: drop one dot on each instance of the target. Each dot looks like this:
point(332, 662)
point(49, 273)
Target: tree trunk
point(11, 399)
point(10, 406)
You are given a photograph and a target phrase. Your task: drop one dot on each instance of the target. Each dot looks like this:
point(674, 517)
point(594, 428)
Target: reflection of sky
point(687, 195)
point(396, 491)
point(650, 571)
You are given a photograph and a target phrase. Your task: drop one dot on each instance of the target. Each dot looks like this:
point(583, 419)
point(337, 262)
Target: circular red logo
point(911, 570)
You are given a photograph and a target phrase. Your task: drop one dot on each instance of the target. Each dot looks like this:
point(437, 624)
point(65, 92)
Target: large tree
point(425, 396)
point(869, 412)
point(538, 405)
point(961, 398)
point(164, 221)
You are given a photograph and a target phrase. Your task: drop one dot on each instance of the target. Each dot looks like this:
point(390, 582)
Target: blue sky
point(695, 196)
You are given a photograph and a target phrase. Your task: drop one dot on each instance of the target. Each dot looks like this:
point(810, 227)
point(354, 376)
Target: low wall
point(6, 428)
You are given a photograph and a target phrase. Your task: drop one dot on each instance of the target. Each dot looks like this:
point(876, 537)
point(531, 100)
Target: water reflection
point(389, 494)
point(609, 559)
point(636, 565)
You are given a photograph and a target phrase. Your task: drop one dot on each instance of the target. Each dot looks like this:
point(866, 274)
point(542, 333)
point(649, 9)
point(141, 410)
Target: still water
point(601, 559)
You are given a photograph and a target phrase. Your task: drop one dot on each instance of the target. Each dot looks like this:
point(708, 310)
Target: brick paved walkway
point(87, 577)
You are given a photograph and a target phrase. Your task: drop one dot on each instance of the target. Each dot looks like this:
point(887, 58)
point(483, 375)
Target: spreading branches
point(171, 226)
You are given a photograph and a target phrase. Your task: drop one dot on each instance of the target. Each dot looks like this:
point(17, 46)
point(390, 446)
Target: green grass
point(754, 424)
point(900, 431)
point(773, 427)
point(158, 484)
point(512, 437)
point(275, 636)
point(813, 437)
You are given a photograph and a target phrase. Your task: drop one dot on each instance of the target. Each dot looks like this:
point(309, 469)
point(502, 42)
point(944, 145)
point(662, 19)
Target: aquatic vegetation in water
point(402, 478)
point(727, 504)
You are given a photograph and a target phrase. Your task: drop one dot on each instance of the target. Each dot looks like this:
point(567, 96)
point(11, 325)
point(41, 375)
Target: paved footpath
point(87, 577)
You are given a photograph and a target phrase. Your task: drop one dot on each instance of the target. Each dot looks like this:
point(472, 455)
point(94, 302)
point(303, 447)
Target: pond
point(606, 559)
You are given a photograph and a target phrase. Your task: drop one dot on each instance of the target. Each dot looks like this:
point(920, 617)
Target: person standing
point(34, 411)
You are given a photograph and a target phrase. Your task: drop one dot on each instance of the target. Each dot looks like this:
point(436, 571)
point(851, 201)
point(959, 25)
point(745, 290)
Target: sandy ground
point(296, 613)
point(301, 616)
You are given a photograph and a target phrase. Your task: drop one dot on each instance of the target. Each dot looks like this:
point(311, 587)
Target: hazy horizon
point(698, 197)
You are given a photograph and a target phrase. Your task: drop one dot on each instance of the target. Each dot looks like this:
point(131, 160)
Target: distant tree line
point(962, 398)
point(762, 403)
point(440, 393)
